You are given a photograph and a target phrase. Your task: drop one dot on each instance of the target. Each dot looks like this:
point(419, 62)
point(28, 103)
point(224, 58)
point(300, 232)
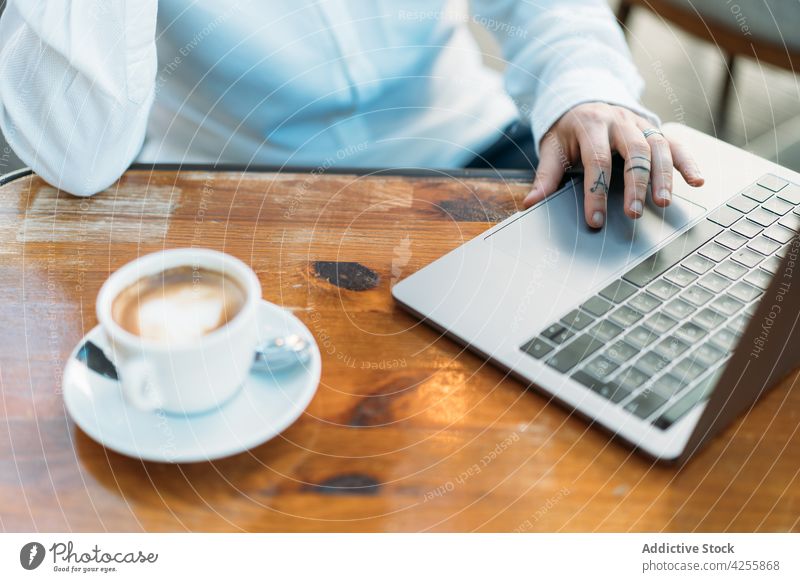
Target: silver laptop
point(661, 330)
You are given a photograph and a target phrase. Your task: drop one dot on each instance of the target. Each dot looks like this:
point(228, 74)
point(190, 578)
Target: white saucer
point(265, 406)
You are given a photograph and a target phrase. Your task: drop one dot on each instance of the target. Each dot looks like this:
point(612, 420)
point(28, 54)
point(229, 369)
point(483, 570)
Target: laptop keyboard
point(656, 340)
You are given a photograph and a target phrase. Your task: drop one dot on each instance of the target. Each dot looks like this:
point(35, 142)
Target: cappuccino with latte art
point(179, 305)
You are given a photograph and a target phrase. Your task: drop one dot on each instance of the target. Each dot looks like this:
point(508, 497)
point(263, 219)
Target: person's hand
point(589, 133)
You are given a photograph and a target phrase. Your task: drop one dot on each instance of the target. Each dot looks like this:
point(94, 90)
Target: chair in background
point(768, 32)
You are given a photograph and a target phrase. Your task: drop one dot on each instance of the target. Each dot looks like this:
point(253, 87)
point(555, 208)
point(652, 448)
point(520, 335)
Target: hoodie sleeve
point(77, 80)
point(559, 54)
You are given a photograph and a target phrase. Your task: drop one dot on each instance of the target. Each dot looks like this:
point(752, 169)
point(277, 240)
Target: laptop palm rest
point(586, 256)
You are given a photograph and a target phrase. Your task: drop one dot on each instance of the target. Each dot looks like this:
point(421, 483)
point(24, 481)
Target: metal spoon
point(280, 353)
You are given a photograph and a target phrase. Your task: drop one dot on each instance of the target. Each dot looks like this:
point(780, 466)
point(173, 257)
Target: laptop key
point(726, 305)
point(645, 404)
point(725, 339)
point(577, 319)
point(743, 204)
point(744, 291)
point(612, 391)
point(762, 217)
point(779, 233)
point(664, 258)
point(759, 278)
point(618, 291)
point(605, 330)
point(681, 276)
point(725, 216)
point(747, 257)
point(652, 364)
point(698, 264)
point(563, 336)
point(537, 347)
point(731, 270)
point(736, 334)
point(772, 182)
point(714, 252)
point(739, 323)
point(671, 347)
point(644, 302)
point(688, 369)
point(660, 323)
point(771, 265)
point(791, 194)
point(663, 289)
point(697, 296)
point(577, 350)
point(758, 193)
point(625, 316)
point(631, 379)
point(597, 306)
point(621, 351)
point(601, 367)
point(692, 398)
point(690, 332)
point(731, 240)
point(790, 221)
point(557, 333)
point(678, 308)
point(763, 245)
point(707, 355)
point(747, 228)
point(641, 337)
point(708, 319)
point(668, 386)
point(778, 206)
point(714, 282)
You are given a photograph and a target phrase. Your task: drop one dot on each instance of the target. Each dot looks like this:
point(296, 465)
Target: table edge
point(463, 173)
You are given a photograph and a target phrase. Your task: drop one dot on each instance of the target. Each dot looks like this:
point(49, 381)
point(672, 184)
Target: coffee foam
point(181, 314)
point(179, 305)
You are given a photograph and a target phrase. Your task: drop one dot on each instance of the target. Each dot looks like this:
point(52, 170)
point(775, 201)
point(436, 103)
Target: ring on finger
point(639, 163)
point(652, 131)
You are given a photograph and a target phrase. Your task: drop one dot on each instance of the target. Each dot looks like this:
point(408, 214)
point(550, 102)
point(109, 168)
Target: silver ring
point(652, 131)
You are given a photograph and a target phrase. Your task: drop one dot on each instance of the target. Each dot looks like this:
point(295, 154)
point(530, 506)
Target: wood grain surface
point(407, 432)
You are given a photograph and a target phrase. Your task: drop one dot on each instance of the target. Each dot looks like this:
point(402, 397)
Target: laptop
point(661, 330)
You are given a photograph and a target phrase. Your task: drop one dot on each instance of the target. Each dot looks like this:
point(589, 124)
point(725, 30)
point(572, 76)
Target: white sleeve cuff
point(582, 86)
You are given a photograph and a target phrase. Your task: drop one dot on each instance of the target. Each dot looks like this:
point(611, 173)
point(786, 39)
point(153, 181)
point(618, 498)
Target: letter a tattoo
point(600, 183)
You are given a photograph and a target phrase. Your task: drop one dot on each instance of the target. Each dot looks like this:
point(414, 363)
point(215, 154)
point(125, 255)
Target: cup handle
point(137, 387)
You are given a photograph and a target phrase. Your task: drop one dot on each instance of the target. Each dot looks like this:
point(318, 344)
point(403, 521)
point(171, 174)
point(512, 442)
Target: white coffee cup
point(193, 376)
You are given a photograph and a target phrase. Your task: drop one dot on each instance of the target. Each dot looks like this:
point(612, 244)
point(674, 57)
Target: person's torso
point(276, 81)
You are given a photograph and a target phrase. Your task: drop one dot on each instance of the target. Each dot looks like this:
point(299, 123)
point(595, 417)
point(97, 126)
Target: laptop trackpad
point(554, 236)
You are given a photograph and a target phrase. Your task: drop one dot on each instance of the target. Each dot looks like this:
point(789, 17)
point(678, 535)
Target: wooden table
point(407, 431)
